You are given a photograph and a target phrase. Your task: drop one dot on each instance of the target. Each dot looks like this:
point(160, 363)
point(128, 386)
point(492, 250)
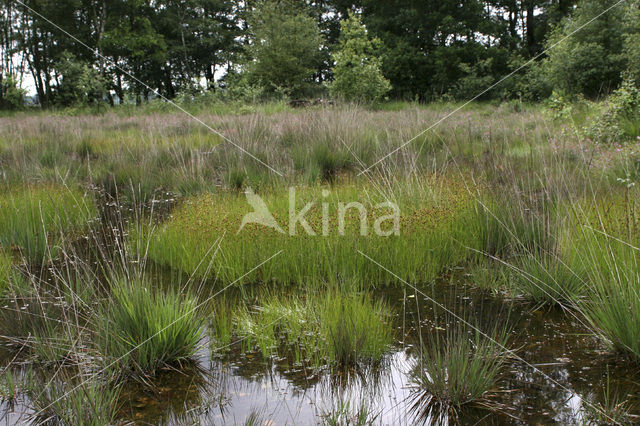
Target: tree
point(132, 44)
point(285, 48)
point(80, 83)
point(589, 61)
point(357, 71)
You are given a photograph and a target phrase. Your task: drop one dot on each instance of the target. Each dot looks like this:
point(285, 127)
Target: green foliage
point(286, 49)
point(143, 328)
point(459, 369)
point(357, 73)
point(80, 83)
point(11, 95)
point(546, 279)
point(618, 119)
point(340, 327)
point(6, 273)
point(427, 219)
point(92, 402)
point(35, 219)
point(613, 303)
point(587, 62)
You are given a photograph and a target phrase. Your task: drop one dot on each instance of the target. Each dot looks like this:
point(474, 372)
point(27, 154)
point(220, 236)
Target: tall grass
point(6, 272)
point(613, 305)
point(143, 328)
point(34, 219)
point(65, 401)
point(459, 368)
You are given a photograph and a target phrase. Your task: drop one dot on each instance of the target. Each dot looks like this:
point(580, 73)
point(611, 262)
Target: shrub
point(617, 119)
point(357, 72)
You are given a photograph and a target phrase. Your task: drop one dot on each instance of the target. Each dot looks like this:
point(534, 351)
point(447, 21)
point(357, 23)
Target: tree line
point(126, 50)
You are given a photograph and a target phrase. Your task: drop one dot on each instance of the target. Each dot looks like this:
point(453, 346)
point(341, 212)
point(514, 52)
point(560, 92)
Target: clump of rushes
point(513, 225)
point(34, 218)
point(335, 327)
point(613, 303)
point(541, 279)
point(546, 279)
point(354, 327)
point(143, 328)
point(458, 369)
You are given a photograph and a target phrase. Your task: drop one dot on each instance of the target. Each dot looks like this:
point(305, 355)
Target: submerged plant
point(144, 328)
point(458, 369)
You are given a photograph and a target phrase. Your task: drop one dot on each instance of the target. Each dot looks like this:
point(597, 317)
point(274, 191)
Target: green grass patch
point(337, 327)
point(35, 220)
point(6, 273)
point(143, 328)
point(436, 223)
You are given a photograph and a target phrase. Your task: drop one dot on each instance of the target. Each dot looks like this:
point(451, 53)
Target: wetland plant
point(34, 218)
point(546, 279)
point(340, 327)
point(613, 305)
point(457, 369)
point(143, 328)
point(6, 273)
point(64, 401)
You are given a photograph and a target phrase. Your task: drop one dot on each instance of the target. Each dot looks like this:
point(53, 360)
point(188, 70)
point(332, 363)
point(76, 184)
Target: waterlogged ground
point(561, 378)
point(559, 370)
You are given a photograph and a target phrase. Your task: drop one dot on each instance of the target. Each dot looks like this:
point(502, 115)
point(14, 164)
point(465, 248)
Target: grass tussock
point(613, 305)
point(143, 328)
point(457, 369)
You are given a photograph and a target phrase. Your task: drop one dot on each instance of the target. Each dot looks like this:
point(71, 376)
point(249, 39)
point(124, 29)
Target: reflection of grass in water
point(34, 218)
point(144, 328)
point(346, 414)
point(458, 369)
point(339, 327)
point(67, 401)
point(613, 409)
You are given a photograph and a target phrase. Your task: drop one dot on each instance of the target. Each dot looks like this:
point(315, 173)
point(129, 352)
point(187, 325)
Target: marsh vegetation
point(130, 291)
